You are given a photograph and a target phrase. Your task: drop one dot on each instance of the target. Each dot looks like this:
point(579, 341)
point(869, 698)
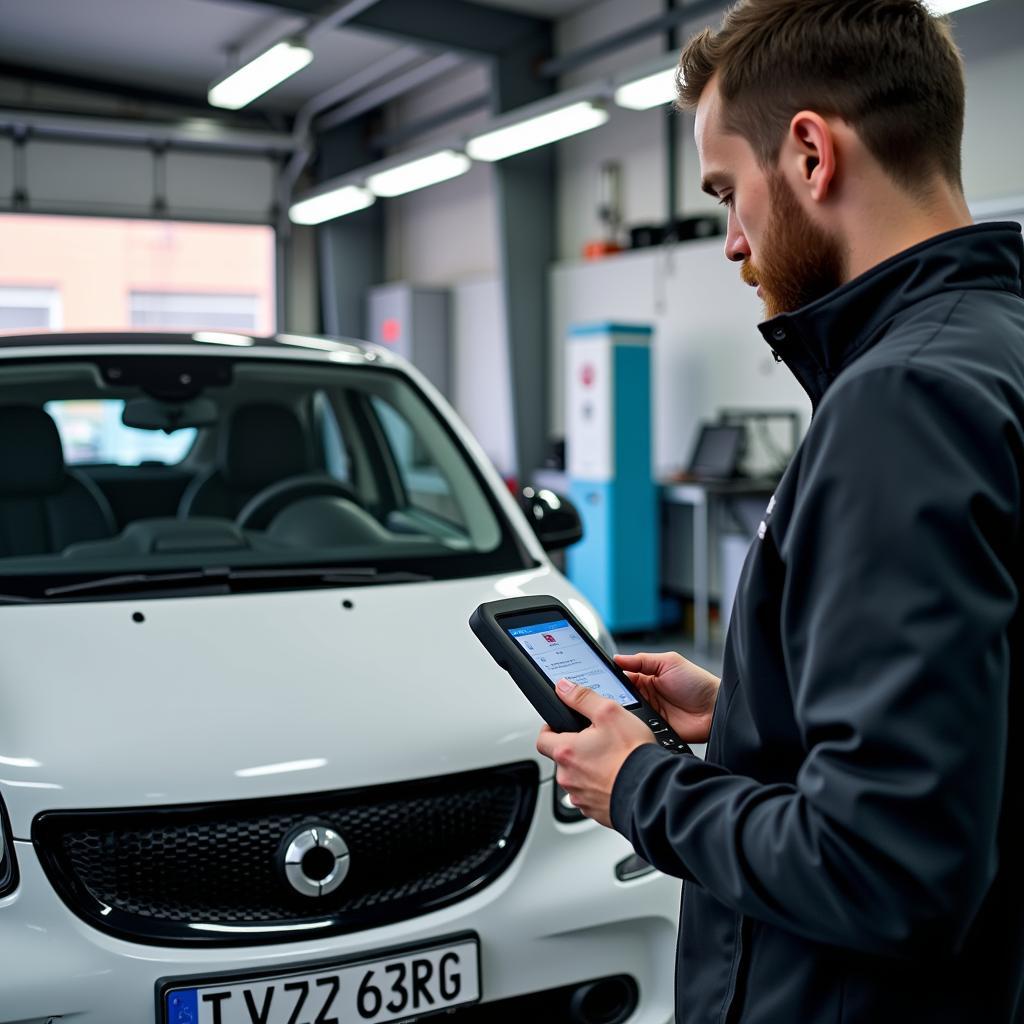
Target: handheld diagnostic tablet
point(538, 641)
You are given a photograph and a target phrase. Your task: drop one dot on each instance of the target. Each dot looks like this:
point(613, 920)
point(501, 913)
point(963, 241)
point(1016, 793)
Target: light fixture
point(539, 130)
point(251, 80)
point(327, 205)
point(941, 7)
point(414, 174)
point(650, 91)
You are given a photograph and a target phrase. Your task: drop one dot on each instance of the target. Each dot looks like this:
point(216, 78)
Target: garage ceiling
point(176, 48)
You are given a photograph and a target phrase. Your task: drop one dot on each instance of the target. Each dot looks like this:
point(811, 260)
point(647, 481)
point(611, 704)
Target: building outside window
point(99, 274)
point(177, 311)
point(31, 308)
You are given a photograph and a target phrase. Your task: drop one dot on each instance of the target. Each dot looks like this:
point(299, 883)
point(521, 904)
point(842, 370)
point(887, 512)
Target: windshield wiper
point(221, 579)
point(333, 574)
point(129, 581)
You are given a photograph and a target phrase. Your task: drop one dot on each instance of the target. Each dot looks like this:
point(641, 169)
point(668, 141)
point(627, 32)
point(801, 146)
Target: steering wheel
point(259, 511)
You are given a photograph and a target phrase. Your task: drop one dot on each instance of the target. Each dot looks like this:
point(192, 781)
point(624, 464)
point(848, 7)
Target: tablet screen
point(561, 653)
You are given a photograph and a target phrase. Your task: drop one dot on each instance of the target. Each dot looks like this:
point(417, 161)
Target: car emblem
point(314, 859)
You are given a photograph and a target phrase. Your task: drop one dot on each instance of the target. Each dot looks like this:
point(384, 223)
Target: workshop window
point(106, 273)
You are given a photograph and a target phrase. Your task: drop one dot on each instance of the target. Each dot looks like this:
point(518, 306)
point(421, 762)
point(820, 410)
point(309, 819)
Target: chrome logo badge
point(315, 860)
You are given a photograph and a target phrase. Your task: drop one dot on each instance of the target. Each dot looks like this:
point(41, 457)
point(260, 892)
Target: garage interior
point(379, 192)
point(104, 113)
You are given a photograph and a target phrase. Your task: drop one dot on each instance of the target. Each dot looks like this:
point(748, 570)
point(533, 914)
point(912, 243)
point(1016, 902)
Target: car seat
point(44, 506)
point(261, 444)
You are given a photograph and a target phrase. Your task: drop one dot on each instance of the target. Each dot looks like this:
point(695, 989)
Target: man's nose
point(737, 249)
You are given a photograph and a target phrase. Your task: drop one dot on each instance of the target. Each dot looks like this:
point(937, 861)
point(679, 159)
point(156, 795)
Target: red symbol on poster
point(390, 330)
point(587, 374)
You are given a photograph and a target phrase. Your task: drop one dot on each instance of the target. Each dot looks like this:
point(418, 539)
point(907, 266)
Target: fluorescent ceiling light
point(336, 203)
point(536, 131)
point(427, 170)
point(649, 91)
point(254, 79)
point(940, 7)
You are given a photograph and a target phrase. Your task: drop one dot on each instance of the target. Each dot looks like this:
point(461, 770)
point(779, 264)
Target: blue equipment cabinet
point(609, 463)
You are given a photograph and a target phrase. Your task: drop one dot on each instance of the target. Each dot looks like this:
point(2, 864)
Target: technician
point(851, 848)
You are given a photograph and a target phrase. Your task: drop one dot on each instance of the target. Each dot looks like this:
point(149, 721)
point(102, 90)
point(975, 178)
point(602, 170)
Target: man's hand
point(589, 761)
point(683, 694)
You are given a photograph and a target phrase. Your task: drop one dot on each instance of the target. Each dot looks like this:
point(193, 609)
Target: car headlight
point(8, 867)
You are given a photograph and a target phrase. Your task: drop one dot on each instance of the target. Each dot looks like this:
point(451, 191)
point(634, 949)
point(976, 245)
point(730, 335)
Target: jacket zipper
point(737, 962)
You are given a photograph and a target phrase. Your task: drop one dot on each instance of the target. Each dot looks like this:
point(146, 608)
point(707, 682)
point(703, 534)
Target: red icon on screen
point(550, 639)
point(588, 374)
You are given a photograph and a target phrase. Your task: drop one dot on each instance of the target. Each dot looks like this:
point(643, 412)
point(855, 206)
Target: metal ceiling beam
point(190, 134)
point(137, 95)
point(525, 190)
point(663, 23)
point(351, 248)
point(308, 28)
point(394, 139)
point(389, 90)
point(345, 12)
point(453, 25)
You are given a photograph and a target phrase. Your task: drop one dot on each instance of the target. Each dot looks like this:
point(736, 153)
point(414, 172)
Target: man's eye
point(725, 200)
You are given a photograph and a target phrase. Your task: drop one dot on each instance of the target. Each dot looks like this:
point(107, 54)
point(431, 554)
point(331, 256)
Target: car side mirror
point(554, 518)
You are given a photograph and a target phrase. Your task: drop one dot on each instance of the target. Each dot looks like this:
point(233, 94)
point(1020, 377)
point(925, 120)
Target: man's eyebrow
point(710, 186)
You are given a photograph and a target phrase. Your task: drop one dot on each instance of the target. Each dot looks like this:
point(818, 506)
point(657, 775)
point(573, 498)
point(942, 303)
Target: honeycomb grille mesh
point(412, 848)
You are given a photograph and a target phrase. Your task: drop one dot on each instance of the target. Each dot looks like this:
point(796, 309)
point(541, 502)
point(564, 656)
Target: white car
point(254, 766)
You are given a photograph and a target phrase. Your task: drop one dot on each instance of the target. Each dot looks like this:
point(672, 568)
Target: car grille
point(212, 875)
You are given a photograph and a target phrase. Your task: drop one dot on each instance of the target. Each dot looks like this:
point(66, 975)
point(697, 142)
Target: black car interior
point(44, 506)
point(288, 464)
point(261, 444)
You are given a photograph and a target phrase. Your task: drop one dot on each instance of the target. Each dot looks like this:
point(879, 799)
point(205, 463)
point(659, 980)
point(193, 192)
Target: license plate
point(400, 986)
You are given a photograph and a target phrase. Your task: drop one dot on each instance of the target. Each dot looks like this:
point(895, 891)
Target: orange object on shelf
point(598, 250)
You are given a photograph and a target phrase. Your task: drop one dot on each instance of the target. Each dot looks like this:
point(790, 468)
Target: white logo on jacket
point(763, 528)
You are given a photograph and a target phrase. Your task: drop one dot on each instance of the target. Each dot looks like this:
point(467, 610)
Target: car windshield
point(140, 474)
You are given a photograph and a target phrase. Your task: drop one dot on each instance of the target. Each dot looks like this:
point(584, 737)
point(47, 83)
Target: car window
point(91, 432)
point(263, 437)
point(424, 483)
point(337, 460)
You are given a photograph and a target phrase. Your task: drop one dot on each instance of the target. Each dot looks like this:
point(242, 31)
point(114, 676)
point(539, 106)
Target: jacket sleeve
point(896, 610)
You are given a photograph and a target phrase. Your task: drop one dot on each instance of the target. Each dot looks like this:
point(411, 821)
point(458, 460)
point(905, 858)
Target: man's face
point(790, 259)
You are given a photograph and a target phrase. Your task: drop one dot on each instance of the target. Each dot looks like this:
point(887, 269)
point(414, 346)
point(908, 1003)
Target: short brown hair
point(887, 67)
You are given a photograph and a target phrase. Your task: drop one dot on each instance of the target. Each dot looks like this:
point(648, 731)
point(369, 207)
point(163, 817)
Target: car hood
point(232, 697)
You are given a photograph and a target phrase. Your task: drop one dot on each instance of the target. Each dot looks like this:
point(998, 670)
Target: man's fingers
point(649, 664)
point(547, 741)
point(581, 698)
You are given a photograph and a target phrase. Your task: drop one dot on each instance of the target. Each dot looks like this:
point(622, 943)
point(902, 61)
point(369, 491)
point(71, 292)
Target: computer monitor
point(717, 453)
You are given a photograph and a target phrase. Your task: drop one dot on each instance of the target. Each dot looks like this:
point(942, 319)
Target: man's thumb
point(579, 698)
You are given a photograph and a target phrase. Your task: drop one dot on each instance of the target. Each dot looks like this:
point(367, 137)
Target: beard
point(800, 261)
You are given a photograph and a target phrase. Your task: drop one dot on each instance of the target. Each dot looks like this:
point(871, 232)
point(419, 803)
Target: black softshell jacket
point(852, 846)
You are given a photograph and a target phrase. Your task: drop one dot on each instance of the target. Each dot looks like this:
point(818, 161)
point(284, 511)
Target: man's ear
point(812, 151)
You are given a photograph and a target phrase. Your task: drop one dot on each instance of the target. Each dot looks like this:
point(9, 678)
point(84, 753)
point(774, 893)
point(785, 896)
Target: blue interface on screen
point(561, 653)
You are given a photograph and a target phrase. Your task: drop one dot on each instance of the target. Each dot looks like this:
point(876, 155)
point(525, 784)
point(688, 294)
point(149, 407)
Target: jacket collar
point(820, 340)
